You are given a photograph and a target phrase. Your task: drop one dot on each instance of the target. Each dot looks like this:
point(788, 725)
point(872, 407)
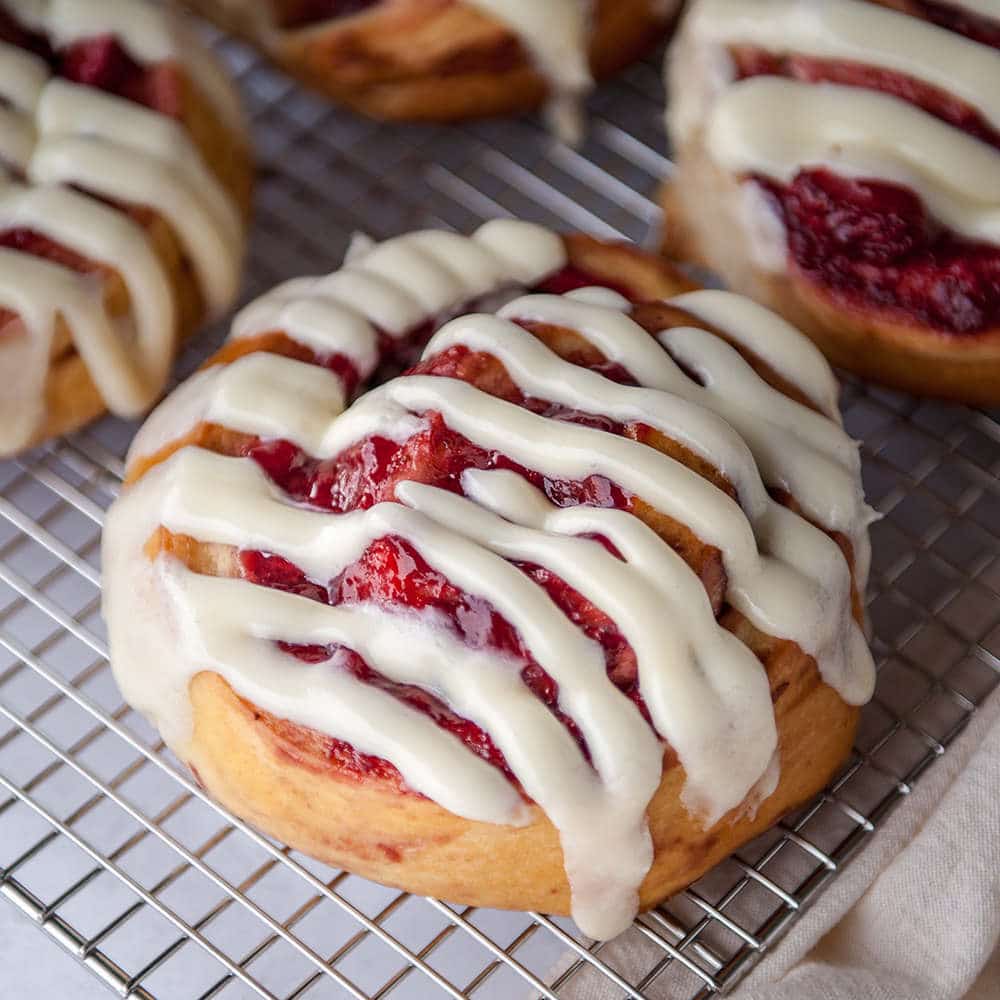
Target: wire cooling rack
point(110, 847)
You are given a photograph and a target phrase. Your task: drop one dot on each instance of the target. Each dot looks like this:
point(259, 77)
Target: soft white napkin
point(915, 916)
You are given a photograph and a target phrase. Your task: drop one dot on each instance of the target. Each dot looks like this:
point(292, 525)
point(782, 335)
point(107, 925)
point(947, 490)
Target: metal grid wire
point(109, 846)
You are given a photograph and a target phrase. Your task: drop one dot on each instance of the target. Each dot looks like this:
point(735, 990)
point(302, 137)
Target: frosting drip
point(557, 36)
point(59, 139)
point(706, 693)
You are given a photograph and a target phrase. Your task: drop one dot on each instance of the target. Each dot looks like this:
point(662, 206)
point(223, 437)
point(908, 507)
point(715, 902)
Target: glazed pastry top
point(706, 694)
point(73, 160)
point(774, 126)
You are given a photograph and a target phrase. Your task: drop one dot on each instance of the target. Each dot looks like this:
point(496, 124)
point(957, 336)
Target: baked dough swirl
point(553, 620)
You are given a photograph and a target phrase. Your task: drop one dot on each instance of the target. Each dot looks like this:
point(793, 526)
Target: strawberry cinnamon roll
point(124, 178)
point(442, 60)
point(554, 620)
point(850, 153)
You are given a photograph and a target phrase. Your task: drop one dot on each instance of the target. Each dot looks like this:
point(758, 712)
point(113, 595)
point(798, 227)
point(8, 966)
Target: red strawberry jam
point(394, 353)
point(300, 13)
point(38, 245)
point(963, 22)
point(870, 244)
point(393, 575)
point(103, 63)
point(367, 473)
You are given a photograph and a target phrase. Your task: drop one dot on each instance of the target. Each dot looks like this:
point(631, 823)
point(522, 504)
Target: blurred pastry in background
point(839, 161)
point(443, 60)
point(124, 185)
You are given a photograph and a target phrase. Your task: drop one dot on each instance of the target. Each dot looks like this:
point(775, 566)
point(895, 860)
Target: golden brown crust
point(644, 276)
point(279, 777)
point(430, 60)
point(282, 777)
point(71, 397)
point(410, 842)
point(911, 357)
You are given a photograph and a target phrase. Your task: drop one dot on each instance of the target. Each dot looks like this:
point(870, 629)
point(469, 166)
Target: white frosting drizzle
point(80, 130)
point(128, 370)
point(854, 31)
point(61, 135)
point(22, 76)
point(797, 449)
point(649, 594)
point(395, 286)
point(557, 36)
point(777, 126)
point(770, 591)
point(775, 341)
point(706, 693)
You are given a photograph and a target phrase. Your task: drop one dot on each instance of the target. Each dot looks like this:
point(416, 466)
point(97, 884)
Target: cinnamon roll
point(555, 619)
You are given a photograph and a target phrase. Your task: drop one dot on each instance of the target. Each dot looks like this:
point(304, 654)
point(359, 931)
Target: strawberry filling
point(367, 473)
point(397, 353)
point(870, 245)
point(12, 32)
point(301, 13)
point(34, 243)
point(101, 62)
point(963, 22)
point(391, 574)
point(38, 245)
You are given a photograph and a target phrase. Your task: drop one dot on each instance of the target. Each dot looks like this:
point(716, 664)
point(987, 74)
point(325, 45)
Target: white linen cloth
point(915, 915)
